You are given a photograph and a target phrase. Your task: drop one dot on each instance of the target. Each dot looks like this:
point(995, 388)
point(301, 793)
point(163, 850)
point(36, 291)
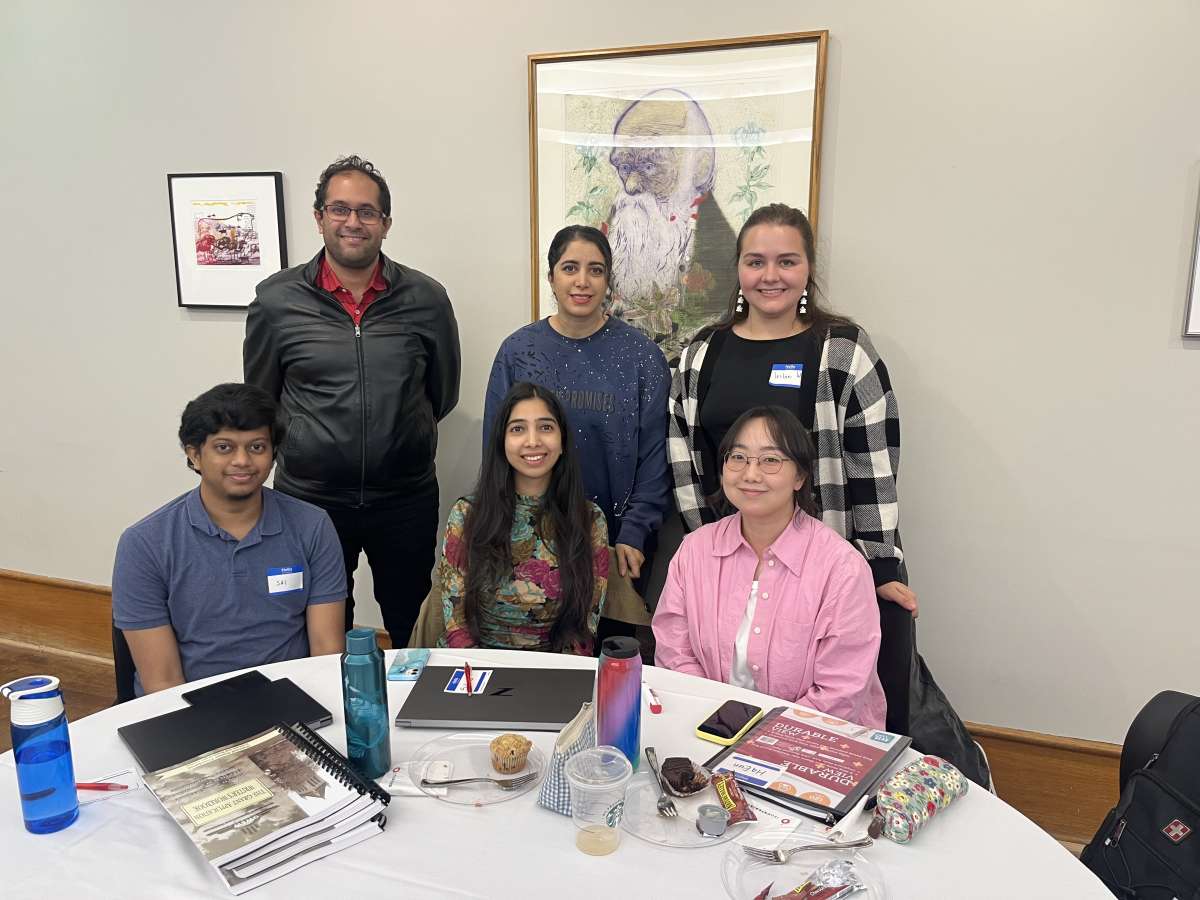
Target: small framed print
point(1191, 315)
point(228, 234)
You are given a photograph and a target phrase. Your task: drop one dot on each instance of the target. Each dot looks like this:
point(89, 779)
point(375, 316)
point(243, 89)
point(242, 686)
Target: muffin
point(509, 752)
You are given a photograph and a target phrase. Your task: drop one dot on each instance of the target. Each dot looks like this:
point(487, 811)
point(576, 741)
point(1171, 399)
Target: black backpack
point(1149, 845)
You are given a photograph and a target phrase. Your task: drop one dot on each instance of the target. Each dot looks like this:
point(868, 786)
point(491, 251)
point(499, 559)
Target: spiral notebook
point(266, 806)
point(811, 763)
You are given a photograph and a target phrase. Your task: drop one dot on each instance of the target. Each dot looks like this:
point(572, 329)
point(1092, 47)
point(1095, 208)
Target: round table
point(127, 846)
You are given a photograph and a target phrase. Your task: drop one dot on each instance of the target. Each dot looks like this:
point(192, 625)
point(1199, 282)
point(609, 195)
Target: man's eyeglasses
point(340, 212)
point(768, 463)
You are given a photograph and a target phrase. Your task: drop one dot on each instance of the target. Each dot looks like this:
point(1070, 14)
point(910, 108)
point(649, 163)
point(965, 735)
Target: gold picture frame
point(668, 148)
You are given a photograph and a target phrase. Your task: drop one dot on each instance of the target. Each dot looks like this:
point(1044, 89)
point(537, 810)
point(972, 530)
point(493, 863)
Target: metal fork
point(666, 807)
point(505, 784)
point(782, 856)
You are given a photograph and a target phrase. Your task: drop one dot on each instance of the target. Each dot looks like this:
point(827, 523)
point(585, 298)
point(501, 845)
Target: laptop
point(221, 716)
point(518, 699)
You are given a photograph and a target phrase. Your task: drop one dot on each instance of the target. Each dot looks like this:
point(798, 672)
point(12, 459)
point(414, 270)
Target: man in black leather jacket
point(362, 354)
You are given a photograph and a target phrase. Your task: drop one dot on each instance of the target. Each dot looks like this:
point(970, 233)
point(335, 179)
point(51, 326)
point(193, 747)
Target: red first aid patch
point(1176, 831)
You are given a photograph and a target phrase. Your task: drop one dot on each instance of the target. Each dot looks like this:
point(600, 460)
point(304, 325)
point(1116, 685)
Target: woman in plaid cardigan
point(854, 420)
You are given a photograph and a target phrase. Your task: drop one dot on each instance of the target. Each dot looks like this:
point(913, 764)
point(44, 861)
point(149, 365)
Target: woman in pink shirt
point(769, 598)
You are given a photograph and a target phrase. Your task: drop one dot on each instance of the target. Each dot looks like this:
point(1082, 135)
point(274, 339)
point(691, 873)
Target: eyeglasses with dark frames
point(768, 463)
point(340, 212)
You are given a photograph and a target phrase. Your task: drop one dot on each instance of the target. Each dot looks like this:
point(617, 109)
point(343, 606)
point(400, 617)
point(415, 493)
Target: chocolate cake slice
point(682, 775)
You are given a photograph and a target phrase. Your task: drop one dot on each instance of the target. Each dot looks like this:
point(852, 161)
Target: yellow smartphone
point(729, 723)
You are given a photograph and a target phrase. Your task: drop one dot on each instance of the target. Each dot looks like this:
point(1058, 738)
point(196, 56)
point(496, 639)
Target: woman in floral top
point(525, 559)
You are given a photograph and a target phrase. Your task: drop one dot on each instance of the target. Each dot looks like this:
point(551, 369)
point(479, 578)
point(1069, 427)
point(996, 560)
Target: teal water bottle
point(42, 748)
point(364, 700)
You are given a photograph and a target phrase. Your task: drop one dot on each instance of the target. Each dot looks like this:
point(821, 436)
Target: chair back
point(621, 601)
point(431, 620)
point(123, 667)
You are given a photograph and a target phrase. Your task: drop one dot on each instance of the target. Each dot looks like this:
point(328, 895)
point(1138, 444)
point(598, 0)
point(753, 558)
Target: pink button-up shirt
point(814, 639)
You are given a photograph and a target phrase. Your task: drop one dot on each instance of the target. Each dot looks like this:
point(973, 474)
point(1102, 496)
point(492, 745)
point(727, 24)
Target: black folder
point(178, 736)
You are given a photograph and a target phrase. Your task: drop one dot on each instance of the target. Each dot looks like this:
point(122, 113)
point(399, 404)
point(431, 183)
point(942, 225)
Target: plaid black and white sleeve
point(871, 454)
point(683, 407)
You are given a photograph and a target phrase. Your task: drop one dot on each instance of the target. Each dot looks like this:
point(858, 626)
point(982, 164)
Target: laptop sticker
point(458, 681)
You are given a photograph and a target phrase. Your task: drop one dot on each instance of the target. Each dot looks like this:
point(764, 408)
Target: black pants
point(400, 543)
point(897, 638)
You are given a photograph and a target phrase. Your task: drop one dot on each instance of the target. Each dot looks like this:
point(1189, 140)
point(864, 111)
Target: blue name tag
point(787, 375)
point(285, 580)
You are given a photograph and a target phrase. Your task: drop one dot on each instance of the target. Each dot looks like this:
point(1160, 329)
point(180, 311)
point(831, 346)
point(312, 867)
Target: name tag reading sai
point(285, 580)
point(787, 375)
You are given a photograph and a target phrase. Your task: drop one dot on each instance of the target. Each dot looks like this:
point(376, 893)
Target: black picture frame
point(227, 234)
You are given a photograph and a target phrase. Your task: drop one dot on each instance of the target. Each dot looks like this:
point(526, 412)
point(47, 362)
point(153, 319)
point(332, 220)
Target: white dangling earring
point(740, 306)
point(803, 300)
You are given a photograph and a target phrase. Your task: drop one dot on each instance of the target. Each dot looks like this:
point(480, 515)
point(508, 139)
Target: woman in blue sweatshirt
point(614, 384)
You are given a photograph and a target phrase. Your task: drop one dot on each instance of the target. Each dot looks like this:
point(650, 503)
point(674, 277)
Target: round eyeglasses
point(340, 212)
point(768, 463)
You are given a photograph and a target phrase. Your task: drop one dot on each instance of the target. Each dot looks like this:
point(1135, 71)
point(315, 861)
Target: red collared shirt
point(328, 281)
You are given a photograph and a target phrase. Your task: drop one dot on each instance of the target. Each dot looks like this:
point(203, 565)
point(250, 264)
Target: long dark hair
point(563, 520)
point(789, 436)
point(815, 313)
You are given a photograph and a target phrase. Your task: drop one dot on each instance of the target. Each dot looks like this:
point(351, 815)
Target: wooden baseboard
point(70, 616)
point(1065, 785)
point(52, 612)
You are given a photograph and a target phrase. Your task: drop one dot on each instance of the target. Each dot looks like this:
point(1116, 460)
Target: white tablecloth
point(127, 847)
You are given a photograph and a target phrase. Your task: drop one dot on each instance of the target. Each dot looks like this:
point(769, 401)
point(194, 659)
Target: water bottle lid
point(620, 647)
point(35, 699)
point(361, 640)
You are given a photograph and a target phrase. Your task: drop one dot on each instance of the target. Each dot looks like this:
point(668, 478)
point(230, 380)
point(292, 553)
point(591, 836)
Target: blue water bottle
point(364, 699)
point(619, 696)
point(42, 747)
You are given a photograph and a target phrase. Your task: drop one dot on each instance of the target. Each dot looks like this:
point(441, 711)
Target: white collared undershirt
point(739, 671)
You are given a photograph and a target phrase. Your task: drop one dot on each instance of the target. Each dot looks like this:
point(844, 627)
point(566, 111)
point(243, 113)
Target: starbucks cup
point(598, 778)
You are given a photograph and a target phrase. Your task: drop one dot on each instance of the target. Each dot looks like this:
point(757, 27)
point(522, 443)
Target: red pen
point(467, 670)
point(100, 786)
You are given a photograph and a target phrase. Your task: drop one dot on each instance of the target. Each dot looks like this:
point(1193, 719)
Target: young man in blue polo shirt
point(231, 574)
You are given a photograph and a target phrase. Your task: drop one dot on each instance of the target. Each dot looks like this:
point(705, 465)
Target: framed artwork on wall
point(1191, 314)
point(668, 149)
point(228, 234)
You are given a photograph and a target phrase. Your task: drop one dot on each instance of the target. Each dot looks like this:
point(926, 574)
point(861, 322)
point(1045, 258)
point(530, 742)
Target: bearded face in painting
point(664, 158)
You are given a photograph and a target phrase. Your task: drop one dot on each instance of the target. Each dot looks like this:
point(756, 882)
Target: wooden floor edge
point(1051, 741)
point(47, 581)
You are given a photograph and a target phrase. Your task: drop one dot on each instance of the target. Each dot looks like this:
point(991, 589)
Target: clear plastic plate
point(744, 877)
point(641, 818)
point(470, 756)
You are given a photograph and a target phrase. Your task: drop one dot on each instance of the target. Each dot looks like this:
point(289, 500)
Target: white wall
point(1008, 195)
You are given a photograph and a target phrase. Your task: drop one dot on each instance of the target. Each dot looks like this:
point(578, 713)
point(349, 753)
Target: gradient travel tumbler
point(619, 697)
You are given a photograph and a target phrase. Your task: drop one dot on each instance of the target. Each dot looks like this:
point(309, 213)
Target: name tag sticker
point(787, 375)
point(285, 580)
point(458, 681)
